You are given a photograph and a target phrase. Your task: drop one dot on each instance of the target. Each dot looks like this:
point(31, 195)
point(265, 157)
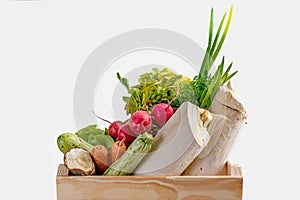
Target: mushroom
point(79, 162)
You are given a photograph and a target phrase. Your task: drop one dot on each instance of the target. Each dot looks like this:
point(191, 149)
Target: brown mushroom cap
point(79, 162)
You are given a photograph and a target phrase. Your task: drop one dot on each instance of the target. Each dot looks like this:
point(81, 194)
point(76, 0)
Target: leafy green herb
point(94, 136)
point(158, 86)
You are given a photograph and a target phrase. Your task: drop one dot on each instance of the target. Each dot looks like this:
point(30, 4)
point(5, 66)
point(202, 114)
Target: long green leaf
point(203, 69)
point(225, 75)
point(211, 25)
point(222, 65)
point(228, 69)
point(206, 59)
point(215, 81)
point(212, 49)
point(215, 54)
point(216, 87)
point(230, 76)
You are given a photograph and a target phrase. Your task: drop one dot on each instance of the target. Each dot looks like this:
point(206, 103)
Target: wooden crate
point(226, 186)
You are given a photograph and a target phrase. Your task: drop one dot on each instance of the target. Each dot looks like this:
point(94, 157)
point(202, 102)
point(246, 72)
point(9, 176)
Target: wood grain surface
point(221, 187)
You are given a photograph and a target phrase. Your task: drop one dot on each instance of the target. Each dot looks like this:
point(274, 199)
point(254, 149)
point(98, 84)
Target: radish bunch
point(139, 123)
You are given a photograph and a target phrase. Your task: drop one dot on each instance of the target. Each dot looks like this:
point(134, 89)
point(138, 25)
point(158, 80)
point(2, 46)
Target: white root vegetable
point(212, 159)
point(179, 141)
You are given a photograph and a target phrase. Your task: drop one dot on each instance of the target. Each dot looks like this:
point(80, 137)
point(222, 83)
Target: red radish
point(121, 137)
point(125, 134)
point(113, 129)
point(162, 113)
point(119, 131)
point(140, 122)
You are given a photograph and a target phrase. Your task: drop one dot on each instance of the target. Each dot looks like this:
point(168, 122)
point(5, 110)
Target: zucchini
point(132, 156)
point(67, 141)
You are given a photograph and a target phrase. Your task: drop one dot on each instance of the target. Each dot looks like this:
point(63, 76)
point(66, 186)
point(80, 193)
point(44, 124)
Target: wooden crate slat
point(150, 187)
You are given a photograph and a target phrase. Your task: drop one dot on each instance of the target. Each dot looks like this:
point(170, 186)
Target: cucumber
point(67, 141)
point(132, 156)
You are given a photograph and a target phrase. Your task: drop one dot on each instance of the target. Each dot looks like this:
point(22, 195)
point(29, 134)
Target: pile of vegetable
point(119, 148)
point(114, 151)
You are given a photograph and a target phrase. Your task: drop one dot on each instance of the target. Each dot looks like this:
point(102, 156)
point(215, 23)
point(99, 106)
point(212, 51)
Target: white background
point(44, 43)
